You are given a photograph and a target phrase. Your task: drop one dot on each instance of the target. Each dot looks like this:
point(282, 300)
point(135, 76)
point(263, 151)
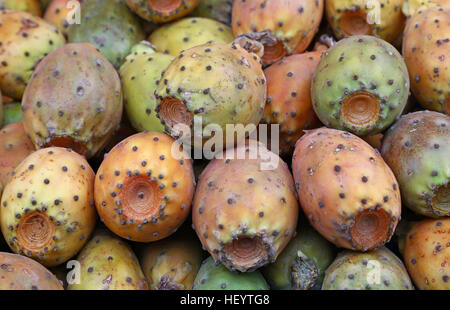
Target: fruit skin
point(59, 14)
point(1, 110)
point(426, 59)
point(172, 263)
point(48, 208)
point(346, 190)
point(22, 273)
point(139, 74)
point(142, 192)
point(354, 17)
point(241, 206)
point(109, 263)
point(302, 265)
point(12, 113)
point(61, 107)
point(15, 146)
point(360, 271)
point(360, 72)
point(189, 32)
point(108, 25)
point(223, 84)
point(26, 39)
point(416, 148)
point(290, 25)
point(30, 6)
point(427, 253)
point(288, 98)
point(162, 11)
point(412, 7)
point(219, 10)
point(212, 276)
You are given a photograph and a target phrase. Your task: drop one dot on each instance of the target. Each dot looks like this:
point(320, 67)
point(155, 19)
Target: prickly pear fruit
point(427, 59)
point(213, 276)
point(375, 270)
point(245, 210)
point(12, 113)
point(62, 107)
point(302, 265)
point(427, 253)
point(18, 272)
point(1, 110)
point(15, 146)
point(30, 6)
point(47, 209)
point(346, 189)
point(162, 11)
point(219, 10)
point(139, 74)
point(60, 14)
point(142, 191)
point(25, 40)
point(417, 150)
point(412, 7)
point(285, 27)
point(108, 25)
point(189, 32)
point(361, 85)
point(173, 263)
point(289, 98)
point(109, 263)
point(354, 17)
point(220, 84)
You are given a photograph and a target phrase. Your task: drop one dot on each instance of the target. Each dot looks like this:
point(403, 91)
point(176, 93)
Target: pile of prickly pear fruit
point(225, 145)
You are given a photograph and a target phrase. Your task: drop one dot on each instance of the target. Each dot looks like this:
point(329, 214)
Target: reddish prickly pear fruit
point(18, 272)
point(30, 6)
point(351, 17)
point(346, 189)
point(189, 32)
point(427, 254)
point(289, 98)
point(379, 269)
point(285, 27)
point(142, 191)
point(25, 39)
point(417, 150)
point(73, 100)
point(412, 7)
point(59, 13)
point(219, 10)
point(212, 84)
point(1, 110)
point(14, 147)
point(360, 85)
point(243, 212)
point(108, 263)
point(427, 59)
point(173, 263)
point(47, 208)
point(162, 11)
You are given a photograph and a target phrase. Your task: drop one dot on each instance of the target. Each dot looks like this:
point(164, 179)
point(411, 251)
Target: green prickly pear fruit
point(361, 85)
point(30, 6)
point(162, 11)
point(62, 107)
point(139, 74)
point(18, 272)
point(427, 253)
point(245, 210)
point(189, 32)
point(213, 276)
point(143, 192)
point(427, 59)
point(302, 265)
point(60, 13)
point(47, 208)
point(25, 40)
point(412, 7)
point(346, 190)
point(109, 263)
point(375, 270)
point(219, 10)
point(108, 25)
point(417, 150)
point(212, 84)
point(285, 27)
point(12, 113)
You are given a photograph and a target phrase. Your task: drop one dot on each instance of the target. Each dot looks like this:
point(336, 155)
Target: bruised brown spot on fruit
point(245, 252)
point(274, 52)
point(173, 111)
point(140, 198)
point(68, 142)
point(165, 6)
point(360, 109)
point(371, 228)
point(441, 199)
point(355, 23)
point(35, 231)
